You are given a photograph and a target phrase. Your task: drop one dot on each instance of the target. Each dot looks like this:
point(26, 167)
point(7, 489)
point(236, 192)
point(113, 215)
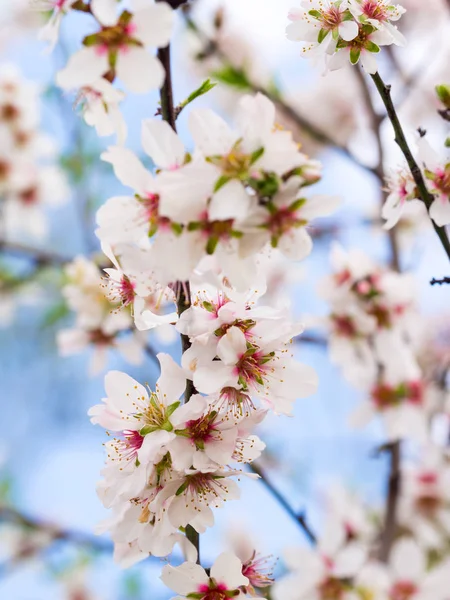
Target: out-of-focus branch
point(385, 94)
point(41, 258)
point(55, 533)
point(213, 49)
point(299, 518)
point(393, 492)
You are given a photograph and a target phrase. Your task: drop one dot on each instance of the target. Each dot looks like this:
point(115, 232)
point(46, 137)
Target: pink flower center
point(203, 429)
point(127, 446)
point(259, 571)
point(386, 396)
point(428, 478)
point(403, 590)
point(331, 588)
point(344, 326)
point(374, 9)
point(213, 591)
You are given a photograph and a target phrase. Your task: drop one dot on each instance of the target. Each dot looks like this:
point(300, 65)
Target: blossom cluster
point(30, 179)
point(343, 565)
point(402, 188)
point(238, 192)
point(375, 338)
point(121, 48)
point(334, 32)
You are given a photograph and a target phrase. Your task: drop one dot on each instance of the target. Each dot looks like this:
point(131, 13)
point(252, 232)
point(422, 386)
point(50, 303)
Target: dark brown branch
point(427, 198)
point(300, 519)
point(440, 281)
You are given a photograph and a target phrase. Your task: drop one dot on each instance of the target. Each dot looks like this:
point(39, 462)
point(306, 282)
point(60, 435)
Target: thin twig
point(440, 281)
point(300, 519)
point(41, 258)
point(385, 94)
point(79, 538)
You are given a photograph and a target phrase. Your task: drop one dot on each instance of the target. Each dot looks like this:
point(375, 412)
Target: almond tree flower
point(122, 46)
point(205, 439)
point(324, 572)
point(133, 289)
point(189, 497)
point(284, 219)
point(406, 577)
point(404, 406)
point(75, 341)
point(142, 417)
point(50, 32)
point(424, 506)
point(100, 109)
point(316, 19)
point(437, 173)
point(380, 14)
point(363, 48)
point(190, 580)
point(268, 371)
point(402, 188)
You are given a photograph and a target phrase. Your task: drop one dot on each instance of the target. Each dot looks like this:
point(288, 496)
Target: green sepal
point(315, 13)
point(182, 488)
point(355, 53)
point(153, 229)
point(212, 244)
point(297, 204)
point(371, 47)
point(172, 408)
point(322, 35)
point(255, 155)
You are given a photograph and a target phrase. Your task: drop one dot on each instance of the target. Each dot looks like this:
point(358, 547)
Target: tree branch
point(300, 519)
point(183, 294)
point(394, 484)
point(41, 258)
point(385, 94)
point(440, 281)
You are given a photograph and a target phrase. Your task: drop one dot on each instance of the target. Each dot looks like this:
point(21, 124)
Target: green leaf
point(322, 35)
point(371, 47)
point(355, 53)
point(204, 88)
point(233, 77)
point(55, 314)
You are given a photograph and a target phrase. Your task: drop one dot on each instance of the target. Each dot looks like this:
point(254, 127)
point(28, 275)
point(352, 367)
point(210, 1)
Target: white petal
point(296, 244)
point(210, 132)
point(408, 560)
point(83, 68)
point(162, 144)
point(227, 570)
point(231, 201)
point(153, 25)
point(348, 30)
point(440, 211)
point(172, 381)
point(320, 206)
point(232, 346)
point(139, 70)
point(184, 579)
point(105, 11)
point(129, 169)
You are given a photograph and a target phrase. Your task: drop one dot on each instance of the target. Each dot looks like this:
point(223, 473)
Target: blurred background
point(50, 454)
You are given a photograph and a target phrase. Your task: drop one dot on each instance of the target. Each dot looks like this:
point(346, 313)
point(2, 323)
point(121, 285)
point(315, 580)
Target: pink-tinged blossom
point(321, 573)
point(190, 580)
point(50, 32)
point(126, 39)
point(437, 174)
point(401, 188)
point(406, 577)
